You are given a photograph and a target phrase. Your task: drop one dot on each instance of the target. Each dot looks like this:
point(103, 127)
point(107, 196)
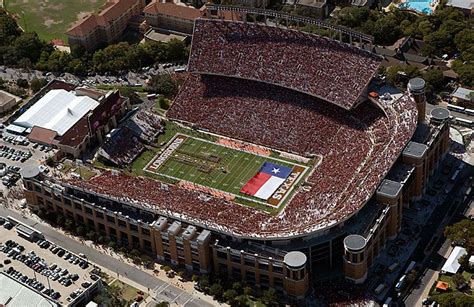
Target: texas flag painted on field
point(268, 179)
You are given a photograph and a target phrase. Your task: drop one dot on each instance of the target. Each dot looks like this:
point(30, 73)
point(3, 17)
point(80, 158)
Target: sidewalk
point(188, 286)
point(429, 278)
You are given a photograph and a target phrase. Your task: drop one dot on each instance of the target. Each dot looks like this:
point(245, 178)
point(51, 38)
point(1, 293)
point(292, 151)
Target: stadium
point(282, 167)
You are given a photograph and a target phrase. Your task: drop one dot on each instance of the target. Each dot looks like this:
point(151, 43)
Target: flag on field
point(268, 179)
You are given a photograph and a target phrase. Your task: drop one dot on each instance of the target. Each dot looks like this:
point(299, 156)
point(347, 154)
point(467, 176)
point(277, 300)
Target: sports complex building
point(282, 168)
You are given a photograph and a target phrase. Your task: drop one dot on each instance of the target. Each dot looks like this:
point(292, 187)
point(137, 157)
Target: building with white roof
point(466, 6)
point(452, 265)
point(58, 111)
point(462, 94)
point(14, 293)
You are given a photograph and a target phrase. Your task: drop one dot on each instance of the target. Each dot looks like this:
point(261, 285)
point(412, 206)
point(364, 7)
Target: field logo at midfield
point(167, 152)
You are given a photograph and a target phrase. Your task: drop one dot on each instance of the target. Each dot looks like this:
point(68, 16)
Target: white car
point(43, 169)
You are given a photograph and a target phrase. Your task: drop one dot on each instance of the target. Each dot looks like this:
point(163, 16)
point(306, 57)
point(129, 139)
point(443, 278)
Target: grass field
point(129, 293)
point(51, 18)
point(212, 165)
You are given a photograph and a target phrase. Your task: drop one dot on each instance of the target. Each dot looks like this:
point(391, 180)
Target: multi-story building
point(406, 182)
point(106, 27)
point(172, 17)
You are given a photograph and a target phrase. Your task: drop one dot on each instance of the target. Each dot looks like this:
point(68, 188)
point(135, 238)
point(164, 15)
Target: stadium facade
point(378, 155)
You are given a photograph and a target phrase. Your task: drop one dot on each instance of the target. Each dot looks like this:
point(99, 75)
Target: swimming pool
point(422, 6)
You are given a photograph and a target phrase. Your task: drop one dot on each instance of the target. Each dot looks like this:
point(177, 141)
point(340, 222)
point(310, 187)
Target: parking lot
point(16, 153)
point(48, 268)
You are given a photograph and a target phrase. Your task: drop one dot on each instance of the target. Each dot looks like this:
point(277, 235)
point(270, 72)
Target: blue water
point(422, 6)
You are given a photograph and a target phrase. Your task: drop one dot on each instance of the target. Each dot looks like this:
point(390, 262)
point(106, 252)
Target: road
point(444, 215)
point(164, 291)
point(128, 78)
point(430, 107)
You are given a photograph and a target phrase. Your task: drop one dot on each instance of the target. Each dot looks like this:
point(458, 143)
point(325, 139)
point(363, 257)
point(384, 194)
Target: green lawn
point(51, 18)
point(129, 293)
point(209, 164)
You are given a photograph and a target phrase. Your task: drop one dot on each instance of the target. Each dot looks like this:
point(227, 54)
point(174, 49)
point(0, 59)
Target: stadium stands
point(308, 63)
point(145, 124)
point(122, 147)
point(358, 149)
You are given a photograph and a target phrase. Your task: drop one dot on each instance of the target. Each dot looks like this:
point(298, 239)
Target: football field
point(212, 165)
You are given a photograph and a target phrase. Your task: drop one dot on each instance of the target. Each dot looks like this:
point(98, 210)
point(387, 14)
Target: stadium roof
point(14, 293)
point(58, 110)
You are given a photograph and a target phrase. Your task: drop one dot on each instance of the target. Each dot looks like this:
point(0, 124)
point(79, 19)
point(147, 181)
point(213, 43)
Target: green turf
point(51, 18)
point(229, 174)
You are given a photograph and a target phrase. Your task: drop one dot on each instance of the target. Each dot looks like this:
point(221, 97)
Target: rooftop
point(440, 114)
point(58, 111)
point(295, 259)
point(6, 97)
point(162, 36)
point(464, 93)
point(389, 188)
point(171, 9)
point(42, 135)
point(354, 242)
point(462, 4)
point(14, 293)
point(312, 3)
point(111, 11)
point(415, 150)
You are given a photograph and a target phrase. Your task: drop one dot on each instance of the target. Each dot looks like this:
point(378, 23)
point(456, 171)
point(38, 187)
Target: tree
point(81, 230)
point(166, 268)
point(22, 83)
point(30, 46)
point(112, 245)
point(462, 231)
point(37, 84)
point(237, 286)
point(230, 296)
point(216, 291)
point(248, 291)
point(242, 300)
point(465, 72)
point(458, 280)
point(269, 297)
point(164, 103)
point(162, 304)
point(69, 224)
point(163, 84)
point(60, 220)
point(8, 28)
point(464, 40)
point(176, 50)
point(434, 79)
point(91, 235)
point(203, 282)
point(127, 91)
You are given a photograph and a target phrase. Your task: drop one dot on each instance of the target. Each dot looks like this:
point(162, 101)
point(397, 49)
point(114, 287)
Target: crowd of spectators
point(145, 124)
point(308, 63)
point(122, 147)
point(242, 87)
point(358, 148)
